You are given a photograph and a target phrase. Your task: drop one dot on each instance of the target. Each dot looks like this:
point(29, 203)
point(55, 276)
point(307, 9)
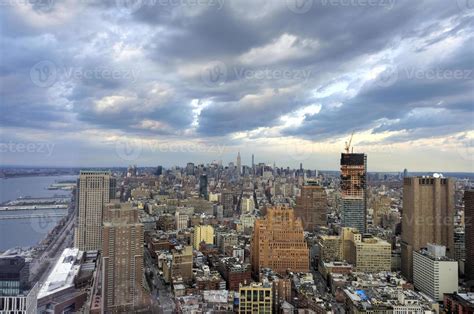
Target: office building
point(278, 242)
point(469, 234)
point(94, 190)
point(122, 258)
point(25, 302)
point(182, 263)
point(247, 204)
point(181, 221)
point(203, 187)
point(14, 275)
point(203, 233)
point(255, 299)
point(239, 164)
point(369, 254)
point(354, 190)
point(428, 213)
point(330, 248)
point(227, 200)
point(311, 206)
point(433, 273)
point(190, 169)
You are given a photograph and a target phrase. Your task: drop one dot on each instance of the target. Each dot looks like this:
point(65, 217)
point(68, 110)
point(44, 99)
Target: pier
point(27, 216)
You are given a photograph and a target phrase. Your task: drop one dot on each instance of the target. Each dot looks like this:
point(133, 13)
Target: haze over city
point(112, 83)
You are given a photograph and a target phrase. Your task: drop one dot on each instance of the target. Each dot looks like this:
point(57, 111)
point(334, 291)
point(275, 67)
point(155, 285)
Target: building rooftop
point(63, 273)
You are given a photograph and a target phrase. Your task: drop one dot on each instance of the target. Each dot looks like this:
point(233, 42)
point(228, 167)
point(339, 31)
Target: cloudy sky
point(148, 82)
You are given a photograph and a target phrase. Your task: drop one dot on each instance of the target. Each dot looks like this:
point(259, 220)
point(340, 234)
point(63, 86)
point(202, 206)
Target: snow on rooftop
point(63, 273)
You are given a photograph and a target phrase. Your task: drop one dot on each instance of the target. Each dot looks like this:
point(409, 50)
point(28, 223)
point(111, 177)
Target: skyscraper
point(278, 242)
point(239, 164)
point(253, 164)
point(94, 189)
point(469, 233)
point(311, 206)
point(190, 169)
point(428, 213)
point(353, 189)
point(159, 170)
point(122, 258)
point(203, 186)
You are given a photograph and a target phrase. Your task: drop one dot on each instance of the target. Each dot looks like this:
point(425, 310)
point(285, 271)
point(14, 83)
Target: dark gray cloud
point(142, 70)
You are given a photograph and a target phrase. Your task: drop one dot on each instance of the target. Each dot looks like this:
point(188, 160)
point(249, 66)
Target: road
point(160, 292)
point(50, 255)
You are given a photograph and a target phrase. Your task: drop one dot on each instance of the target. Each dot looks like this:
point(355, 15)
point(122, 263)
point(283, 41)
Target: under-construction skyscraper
point(354, 190)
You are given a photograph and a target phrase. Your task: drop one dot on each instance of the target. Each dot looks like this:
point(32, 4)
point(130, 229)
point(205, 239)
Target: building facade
point(428, 217)
point(433, 273)
point(469, 234)
point(311, 206)
point(278, 242)
point(255, 299)
point(203, 233)
point(94, 190)
point(122, 258)
point(354, 191)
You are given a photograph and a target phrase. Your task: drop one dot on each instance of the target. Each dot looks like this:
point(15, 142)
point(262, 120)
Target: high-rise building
point(469, 233)
point(239, 164)
point(190, 169)
point(159, 170)
point(247, 204)
point(367, 253)
point(253, 164)
point(122, 258)
point(94, 190)
point(227, 201)
point(311, 206)
point(278, 242)
point(203, 233)
point(14, 275)
point(428, 214)
point(255, 299)
point(353, 189)
point(434, 273)
point(203, 186)
point(182, 221)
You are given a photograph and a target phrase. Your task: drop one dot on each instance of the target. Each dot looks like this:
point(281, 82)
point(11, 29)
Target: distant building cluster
point(220, 238)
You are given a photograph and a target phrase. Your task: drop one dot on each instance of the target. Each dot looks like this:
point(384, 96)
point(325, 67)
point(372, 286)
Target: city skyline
point(150, 82)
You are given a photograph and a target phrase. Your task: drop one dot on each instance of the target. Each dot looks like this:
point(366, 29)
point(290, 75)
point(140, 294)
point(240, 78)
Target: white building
point(247, 205)
point(433, 273)
point(181, 221)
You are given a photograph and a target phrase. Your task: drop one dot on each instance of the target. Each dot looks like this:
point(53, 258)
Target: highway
point(41, 265)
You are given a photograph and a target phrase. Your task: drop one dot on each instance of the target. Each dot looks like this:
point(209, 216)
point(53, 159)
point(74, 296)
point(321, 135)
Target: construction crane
point(348, 144)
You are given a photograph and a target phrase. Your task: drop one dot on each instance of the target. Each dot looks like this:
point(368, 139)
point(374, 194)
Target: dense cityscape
point(247, 239)
point(237, 156)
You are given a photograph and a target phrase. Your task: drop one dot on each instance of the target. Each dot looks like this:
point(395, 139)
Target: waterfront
point(25, 232)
